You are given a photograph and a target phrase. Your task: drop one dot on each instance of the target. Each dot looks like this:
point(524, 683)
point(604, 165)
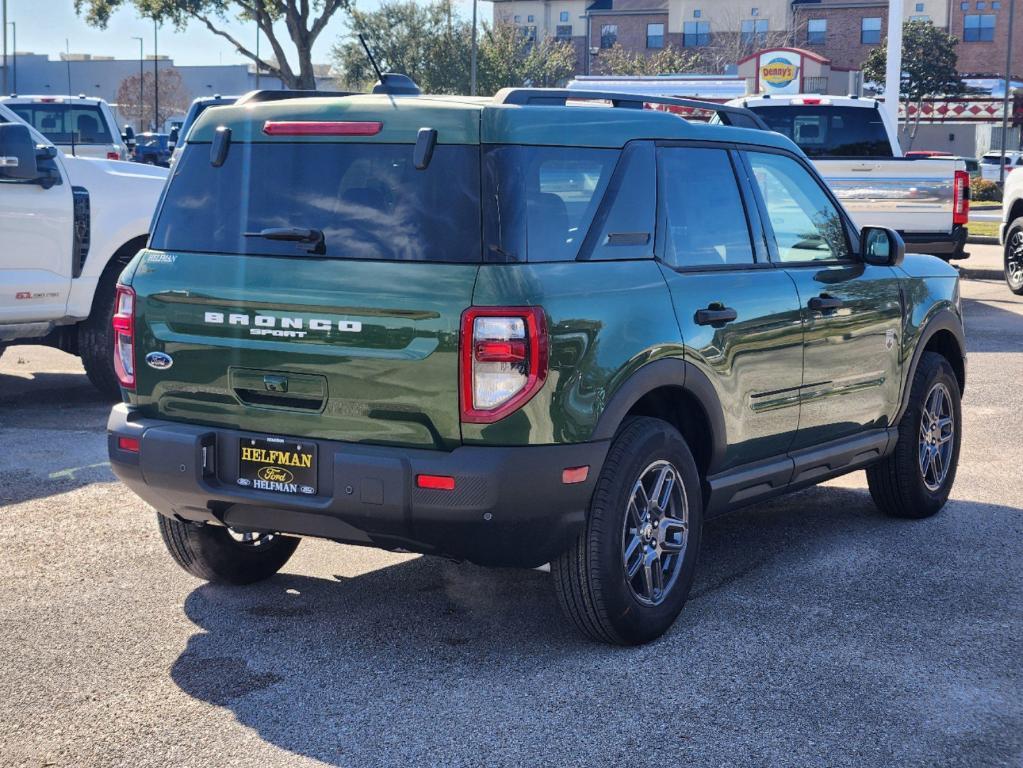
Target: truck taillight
point(124, 336)
point(503, 360)
point(961, 198)
point(113, 156)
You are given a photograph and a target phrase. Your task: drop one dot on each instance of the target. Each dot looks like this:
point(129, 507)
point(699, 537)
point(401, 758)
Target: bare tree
point(729, 45)
point(174, 98)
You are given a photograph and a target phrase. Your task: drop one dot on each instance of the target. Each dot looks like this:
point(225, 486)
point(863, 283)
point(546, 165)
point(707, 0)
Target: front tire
point(914, 481)
point(217, 554)
point(1013, 265)
point(626, 578)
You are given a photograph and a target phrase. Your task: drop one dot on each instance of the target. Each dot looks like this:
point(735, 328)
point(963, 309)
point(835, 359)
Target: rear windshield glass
point(368, 201)
point(827, 131)
point(541, 200)
point(996, 159)
point(64, 123)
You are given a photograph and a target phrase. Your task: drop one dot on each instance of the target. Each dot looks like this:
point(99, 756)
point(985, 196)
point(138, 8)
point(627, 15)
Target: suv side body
point(664, 274)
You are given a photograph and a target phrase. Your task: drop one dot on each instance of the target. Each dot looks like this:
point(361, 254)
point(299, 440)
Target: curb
point(983, 240)
point(981, 274)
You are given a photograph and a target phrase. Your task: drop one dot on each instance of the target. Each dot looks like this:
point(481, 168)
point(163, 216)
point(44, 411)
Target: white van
point(80, 126)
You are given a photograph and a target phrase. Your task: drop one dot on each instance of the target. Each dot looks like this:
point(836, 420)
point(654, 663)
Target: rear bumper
point(948, 245)
point(509, 506)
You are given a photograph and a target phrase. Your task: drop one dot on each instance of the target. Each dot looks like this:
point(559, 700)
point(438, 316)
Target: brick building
point(726, 31)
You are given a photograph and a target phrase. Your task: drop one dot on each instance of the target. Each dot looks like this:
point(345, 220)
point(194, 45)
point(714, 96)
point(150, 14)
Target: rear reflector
point(131, 444)
point(574, 475)
point(320, 128)
point(436, 482)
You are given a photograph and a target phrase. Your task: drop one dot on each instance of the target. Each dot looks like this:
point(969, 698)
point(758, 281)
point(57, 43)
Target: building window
point(870, 31)
point(981, 6)
point(979, 27)
point(919, 7)
point(563, 17)
point(754, 12)
point(996, 5)
point(608, 35)
point(563, 32)
point(816, 31)
point(529, 18)
point(754, 32)
point(654, 35)
point(964, 6)
point(695, 33)
point(518, 19)
point(921, 17)
point(528, 33)
point(697, 13)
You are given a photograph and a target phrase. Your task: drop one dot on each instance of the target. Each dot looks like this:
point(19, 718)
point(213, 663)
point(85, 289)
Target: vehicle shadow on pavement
point(993, 328)
point(436, 662)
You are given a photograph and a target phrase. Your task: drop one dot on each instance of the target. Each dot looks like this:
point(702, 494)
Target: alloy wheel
point(656, 532)
point(1014, 258)
point(937, 433)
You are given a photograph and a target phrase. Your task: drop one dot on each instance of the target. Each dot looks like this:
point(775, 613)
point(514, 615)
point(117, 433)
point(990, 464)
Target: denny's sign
point(780, 71)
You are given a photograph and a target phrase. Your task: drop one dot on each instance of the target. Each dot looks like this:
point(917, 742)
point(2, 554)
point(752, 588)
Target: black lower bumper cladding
point(509, 505)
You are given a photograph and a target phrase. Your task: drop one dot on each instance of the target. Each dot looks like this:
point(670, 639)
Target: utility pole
point(475, 50)
point(893, 73)
point(156, 79)
point(1008, 90)
point(257, 52)
point(142, 101)
point(14, 55)
point(4, 14)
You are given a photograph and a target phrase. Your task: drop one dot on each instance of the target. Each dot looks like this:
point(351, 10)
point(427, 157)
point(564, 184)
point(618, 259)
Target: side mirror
point(128, 136)
point(882, 247)
point(173, 138)
point(17, 154)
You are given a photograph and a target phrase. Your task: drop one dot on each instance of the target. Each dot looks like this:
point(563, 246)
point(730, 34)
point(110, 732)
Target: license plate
point(280, 466)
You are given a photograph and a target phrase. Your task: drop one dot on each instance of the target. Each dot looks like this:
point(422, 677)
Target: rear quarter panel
point(605, 319)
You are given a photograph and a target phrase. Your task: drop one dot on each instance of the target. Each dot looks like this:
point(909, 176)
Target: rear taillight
point(113, 156)
point(124, 336)
point(321, 128)
point(503, 360)
point(961, 198)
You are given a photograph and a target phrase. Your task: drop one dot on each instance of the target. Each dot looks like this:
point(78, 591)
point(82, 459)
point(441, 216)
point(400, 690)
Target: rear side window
point(541, 200)
point(702, 215)
point(66, 123)
point(368, 201)
point(825, 131)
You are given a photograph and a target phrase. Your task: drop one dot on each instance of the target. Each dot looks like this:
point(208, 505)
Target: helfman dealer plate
point(281, 466)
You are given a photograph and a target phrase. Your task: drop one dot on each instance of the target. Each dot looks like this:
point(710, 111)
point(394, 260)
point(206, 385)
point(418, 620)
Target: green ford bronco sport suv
point(521, 330)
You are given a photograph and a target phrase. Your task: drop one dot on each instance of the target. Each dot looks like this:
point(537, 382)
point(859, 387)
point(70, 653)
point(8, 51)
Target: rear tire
point(1013, 264)
point(212, 553)
point(96, 336)
point(625, 534)
point(914, 481)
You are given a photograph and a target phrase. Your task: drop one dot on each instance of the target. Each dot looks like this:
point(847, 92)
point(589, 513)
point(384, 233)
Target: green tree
point(432, 44)
point(304, 20)
point(928, 65)
point(669, 60)
point(429, 43)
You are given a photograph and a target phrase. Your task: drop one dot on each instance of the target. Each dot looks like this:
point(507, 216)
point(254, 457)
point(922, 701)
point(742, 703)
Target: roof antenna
point(391, 83)
point(369, 55)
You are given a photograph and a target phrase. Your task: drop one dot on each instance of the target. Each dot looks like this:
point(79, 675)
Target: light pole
point(893, 73)
point(14, 56)
point(475, 48)
point(3, 4)
point(141, 90)
point(156, 78)
point(1005, 101)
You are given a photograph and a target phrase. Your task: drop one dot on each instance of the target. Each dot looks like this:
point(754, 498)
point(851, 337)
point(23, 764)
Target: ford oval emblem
point(161, 361)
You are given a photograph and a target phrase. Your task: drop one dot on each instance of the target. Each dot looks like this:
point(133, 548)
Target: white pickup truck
point(1012, 231)
point(857, 152)
point(68, 225)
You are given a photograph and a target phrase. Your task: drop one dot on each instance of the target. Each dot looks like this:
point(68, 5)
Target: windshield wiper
point(294, 235)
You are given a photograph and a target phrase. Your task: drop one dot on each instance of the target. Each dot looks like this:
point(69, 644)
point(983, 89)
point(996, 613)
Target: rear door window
point(702, 216)
point(66, 123)
point(541, 200)
point(367, 200)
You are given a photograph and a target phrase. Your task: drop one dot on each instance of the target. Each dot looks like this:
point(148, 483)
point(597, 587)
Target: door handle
point(715, 314)
point(824, 303)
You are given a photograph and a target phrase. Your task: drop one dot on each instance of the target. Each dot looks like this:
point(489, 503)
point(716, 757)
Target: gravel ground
point(818, 633)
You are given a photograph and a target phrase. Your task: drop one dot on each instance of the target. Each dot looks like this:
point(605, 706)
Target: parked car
point(197, 107)
point(530, 332)
point(1012, 231)
point(857, 151)
point(990, 164)
point(68, 226)
point(153, 148)
point(80, 126)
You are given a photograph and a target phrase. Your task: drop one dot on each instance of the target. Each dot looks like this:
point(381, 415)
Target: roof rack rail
point(254, 97)
point(734, 116)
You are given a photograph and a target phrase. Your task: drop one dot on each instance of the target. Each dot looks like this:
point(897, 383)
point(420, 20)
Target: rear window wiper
point(294, 235)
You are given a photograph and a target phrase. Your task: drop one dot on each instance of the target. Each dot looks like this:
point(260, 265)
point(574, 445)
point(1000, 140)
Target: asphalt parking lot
point(818, 633)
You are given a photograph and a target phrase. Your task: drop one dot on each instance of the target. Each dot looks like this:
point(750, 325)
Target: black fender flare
point(667, 372)
point(942, 320)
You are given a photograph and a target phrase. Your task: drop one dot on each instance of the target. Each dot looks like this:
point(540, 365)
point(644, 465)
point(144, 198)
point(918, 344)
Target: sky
point(43, 26)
